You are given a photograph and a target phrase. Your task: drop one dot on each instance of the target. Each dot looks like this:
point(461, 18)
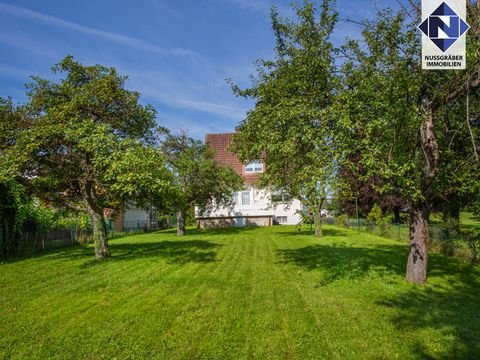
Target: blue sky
point(176, 53)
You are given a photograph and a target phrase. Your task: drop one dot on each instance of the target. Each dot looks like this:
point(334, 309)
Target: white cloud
point(180, 101)
point(15, 72)
point(263, 6)
point(252, 4)
point(28, 45)
point(206, 94)
point(194, 129)
point(111, 36)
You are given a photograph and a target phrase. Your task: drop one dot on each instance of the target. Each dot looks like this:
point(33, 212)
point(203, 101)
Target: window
point(281, 219)
point(254, 167)
point(245, 197)
point(281, 198)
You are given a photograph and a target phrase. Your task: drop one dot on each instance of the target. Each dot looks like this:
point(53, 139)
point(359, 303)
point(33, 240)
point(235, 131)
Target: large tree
point(361, 191)
point(458, 179)
point(398, 113)
point(85, 143)
point(197, 179)
point(291, 125)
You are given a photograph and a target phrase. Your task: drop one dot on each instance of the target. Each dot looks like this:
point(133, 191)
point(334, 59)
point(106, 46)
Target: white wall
point(134, 215)
point(260, 204)
point(289, 211)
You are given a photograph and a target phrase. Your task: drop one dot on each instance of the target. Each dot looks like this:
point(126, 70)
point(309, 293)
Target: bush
point(375, 216)
point(404, 218)
point(473, 241)
point(445, 246)
point(476, 208)
point(342, 221)
point(164, 222)
point(14, 215)
point(384, 226)
point(444, 238)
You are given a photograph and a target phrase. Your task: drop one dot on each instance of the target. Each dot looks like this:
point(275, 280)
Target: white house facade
point(253, 205)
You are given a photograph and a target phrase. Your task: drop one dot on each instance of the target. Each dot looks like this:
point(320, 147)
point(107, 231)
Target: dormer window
point(254, 167)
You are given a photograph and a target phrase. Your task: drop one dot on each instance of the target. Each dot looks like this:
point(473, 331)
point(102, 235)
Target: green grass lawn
point(470, 221)
point(267, 293)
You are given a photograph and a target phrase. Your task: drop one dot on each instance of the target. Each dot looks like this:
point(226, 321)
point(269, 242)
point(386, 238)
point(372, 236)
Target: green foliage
point(375, 215)
point(85, 143)
point(197, 179)
point(23, 217)
point(137, 173)
point(409, 124)
point(376, 80)
point(79, 221)
point(11, 121)
point(190, 217)
point(292, 126)
point(305, 217)
point(388, 100)
point(476, 208)
point(166, 221)
point(472, 236)
point(342, 221)
point(13, 213)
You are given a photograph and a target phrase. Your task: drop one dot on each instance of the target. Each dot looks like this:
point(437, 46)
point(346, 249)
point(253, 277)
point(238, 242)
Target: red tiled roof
point(220, 144)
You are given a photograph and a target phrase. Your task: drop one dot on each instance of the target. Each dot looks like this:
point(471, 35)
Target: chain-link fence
point(143, 225)
point(29, 242)
point(451, 241)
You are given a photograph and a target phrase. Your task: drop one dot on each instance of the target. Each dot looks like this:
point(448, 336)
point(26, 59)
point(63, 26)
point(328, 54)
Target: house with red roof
point(253, 205)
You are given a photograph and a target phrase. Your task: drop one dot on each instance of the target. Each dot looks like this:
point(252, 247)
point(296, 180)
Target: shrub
point(444, 238)
point(384, 226)
point(375, 215)
point(164, 222)
point(404, 218)
point(473, 241)
point(342, 221)
point(445, 246)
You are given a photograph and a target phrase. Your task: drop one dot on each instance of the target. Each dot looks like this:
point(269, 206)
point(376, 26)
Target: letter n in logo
point(443, 27)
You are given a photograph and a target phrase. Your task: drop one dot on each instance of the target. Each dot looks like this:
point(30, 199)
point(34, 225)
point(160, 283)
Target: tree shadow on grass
point(307, 232)
point(340, 260)
point(451, 309)
point(52, 253)
point(345, 262)
point(174, 252)
point(448, 304)
point(177, 252)
point(223, 231)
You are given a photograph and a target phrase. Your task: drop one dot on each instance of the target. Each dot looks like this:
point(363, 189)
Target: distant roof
point(220, 143)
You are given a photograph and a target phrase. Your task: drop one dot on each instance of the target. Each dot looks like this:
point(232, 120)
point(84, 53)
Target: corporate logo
point(443, 27)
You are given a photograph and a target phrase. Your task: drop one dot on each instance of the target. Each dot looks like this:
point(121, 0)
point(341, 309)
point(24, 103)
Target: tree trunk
point(318, 222)
point(396, 215)
point(181, 223)
point(87, 189)
point(317, 217)
point(417, 263)
point(99, 234)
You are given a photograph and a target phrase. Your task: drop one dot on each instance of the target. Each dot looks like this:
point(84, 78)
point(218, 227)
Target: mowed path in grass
point(267, 293)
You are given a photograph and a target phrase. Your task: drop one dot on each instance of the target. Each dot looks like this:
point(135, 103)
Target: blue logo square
point(444, 27)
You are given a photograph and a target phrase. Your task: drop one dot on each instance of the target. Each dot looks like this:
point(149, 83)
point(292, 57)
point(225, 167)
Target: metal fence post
point(356, 209)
